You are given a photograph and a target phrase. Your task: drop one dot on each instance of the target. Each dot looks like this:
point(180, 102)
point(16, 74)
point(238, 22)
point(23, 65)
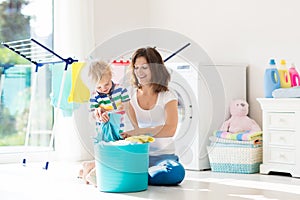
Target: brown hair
point(160, 76)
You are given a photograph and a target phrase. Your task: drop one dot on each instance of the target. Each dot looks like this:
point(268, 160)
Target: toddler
point(106, 97)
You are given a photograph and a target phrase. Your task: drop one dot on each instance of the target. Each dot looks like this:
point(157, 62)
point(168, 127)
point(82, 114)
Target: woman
point(153, 110)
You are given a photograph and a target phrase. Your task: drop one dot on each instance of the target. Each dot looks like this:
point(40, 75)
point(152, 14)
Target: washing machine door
point(186, 135)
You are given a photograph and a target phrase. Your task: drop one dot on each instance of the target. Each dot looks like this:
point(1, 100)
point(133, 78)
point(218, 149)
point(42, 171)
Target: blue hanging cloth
point(57, 74)
point(110, 130)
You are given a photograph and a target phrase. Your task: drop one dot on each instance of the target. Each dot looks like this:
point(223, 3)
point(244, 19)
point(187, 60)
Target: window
point(23, 19)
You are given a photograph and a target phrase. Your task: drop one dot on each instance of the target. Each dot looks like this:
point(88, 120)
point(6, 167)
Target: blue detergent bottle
point(271, 79)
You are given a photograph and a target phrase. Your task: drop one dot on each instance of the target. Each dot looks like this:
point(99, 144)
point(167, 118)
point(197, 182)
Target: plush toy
point(239, 121)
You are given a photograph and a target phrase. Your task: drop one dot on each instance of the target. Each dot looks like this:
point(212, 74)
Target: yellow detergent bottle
point(285, 80)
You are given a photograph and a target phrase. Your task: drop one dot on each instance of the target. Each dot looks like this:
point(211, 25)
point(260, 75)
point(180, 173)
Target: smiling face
point(105, 84)
point(142, 71)
point(148, 68)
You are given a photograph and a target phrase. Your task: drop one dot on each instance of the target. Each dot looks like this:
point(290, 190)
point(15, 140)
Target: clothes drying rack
point(39, 55)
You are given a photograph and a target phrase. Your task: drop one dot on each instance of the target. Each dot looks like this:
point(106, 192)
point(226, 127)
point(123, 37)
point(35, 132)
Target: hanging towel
point(110, 130)
point(57, 74)
point(79, 91)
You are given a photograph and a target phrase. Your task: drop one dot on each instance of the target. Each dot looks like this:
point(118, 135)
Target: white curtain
point(74, 27)
point(73, 37)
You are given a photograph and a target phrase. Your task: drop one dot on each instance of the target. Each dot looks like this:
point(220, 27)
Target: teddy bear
point(239, 121)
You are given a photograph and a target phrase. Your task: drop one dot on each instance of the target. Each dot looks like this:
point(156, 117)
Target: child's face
point(104, 85)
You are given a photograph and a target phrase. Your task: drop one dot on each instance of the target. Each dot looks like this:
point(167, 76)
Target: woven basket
point(243, 160)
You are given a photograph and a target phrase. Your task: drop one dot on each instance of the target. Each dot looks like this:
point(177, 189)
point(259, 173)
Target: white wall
point(235, 31)
point(114, 17)
point(231, 31)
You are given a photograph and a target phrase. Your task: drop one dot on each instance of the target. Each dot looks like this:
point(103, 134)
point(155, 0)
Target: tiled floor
point(59, 182)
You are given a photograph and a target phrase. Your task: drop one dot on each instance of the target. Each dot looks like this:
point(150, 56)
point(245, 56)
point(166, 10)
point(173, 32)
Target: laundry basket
point(235, 159)
point(122, 168)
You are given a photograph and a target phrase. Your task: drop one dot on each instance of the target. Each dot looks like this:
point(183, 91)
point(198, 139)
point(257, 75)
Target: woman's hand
point(129, 133)
point(125, 135)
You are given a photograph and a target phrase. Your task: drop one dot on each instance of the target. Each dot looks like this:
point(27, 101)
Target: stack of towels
point(239, 139)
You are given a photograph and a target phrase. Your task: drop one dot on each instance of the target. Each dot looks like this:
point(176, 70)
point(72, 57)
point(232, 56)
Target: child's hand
point(104, 117)
point(97, 113)
point(101, 115)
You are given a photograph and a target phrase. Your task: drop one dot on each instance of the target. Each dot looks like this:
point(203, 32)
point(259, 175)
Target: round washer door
point(188, 118)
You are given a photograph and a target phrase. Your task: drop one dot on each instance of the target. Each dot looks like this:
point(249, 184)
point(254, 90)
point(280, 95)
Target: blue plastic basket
point(122, 168)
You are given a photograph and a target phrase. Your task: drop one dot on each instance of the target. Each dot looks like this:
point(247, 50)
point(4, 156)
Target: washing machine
point(198, 117)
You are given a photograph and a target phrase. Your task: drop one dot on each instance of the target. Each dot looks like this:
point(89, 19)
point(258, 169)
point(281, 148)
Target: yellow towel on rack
point(79, 91)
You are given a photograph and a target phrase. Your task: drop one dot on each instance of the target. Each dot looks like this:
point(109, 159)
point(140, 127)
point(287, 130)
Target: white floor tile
point(60, 182)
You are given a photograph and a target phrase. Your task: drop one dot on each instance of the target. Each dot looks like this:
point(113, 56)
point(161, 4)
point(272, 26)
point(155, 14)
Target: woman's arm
point(131, 114)
point(166, 130)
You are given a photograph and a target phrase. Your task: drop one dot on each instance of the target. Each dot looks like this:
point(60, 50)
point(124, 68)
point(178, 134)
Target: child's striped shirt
point(111, 101)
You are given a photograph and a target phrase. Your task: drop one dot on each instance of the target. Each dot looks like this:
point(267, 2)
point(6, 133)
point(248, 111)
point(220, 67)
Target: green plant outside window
point(16, 79)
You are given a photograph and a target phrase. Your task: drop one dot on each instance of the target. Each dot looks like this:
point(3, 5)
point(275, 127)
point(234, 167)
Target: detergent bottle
point(271, 79)
point(295, 80)
point(285, 80)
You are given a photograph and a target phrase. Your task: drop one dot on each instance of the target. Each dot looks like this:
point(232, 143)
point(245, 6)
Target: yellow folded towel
point(140, 139)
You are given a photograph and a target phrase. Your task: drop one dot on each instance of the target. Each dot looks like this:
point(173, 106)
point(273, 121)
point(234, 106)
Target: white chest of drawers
point(281, 135)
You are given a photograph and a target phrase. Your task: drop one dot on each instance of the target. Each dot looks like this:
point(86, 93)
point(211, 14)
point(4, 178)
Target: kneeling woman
point(153, 110)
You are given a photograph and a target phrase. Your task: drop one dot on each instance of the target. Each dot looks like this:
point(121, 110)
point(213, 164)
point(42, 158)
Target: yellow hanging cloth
point(79, 91)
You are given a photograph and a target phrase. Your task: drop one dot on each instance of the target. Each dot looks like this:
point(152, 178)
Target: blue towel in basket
point(110, 130)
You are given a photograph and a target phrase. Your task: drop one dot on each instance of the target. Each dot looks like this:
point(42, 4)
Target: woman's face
point(142, 71)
